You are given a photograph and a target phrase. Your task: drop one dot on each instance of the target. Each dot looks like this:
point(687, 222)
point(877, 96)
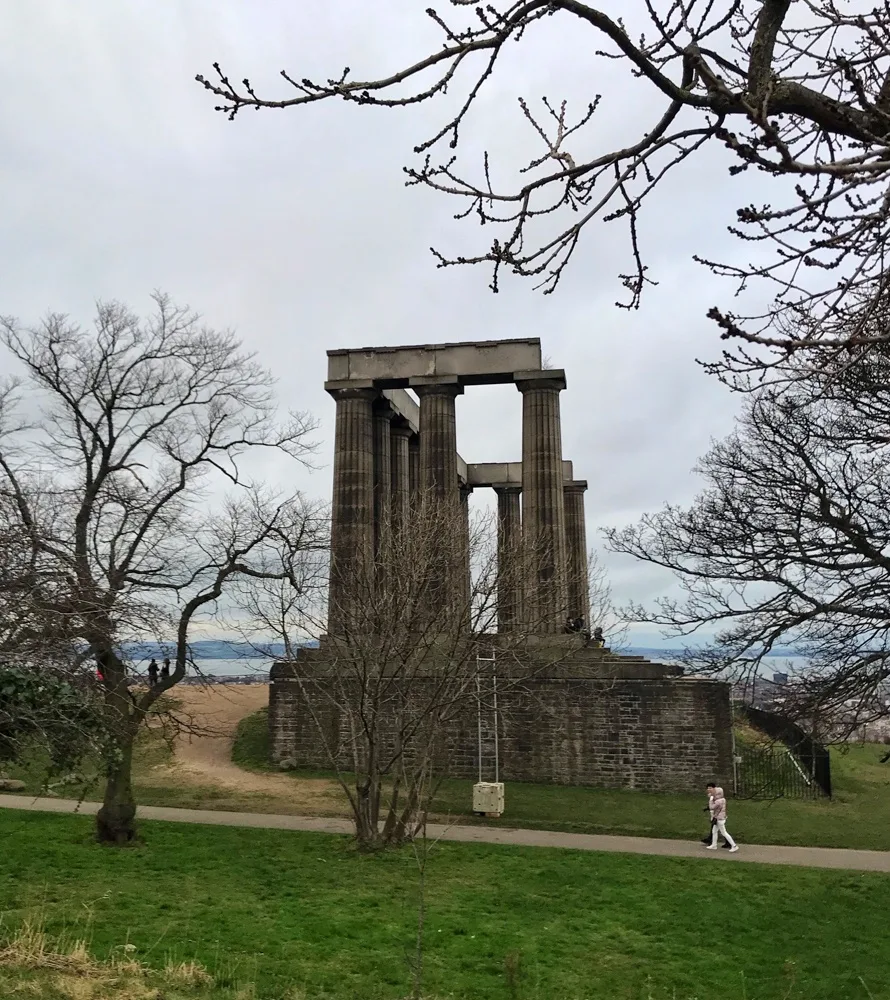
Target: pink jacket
point(717, 804)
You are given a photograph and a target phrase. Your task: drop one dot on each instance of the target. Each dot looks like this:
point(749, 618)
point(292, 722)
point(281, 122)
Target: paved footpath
point(810, 857)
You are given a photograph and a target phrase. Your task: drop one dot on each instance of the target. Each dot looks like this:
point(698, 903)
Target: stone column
point(400, 434)
point(414, 468)
point(439, 493)
point(438, 438)
point(466, 569)
point(352, 507)
point(576, 551)
point(543, 509)
point(509, 557)
point(383, 415)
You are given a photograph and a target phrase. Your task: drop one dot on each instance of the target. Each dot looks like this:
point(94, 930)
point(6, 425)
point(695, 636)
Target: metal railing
point(794, 765)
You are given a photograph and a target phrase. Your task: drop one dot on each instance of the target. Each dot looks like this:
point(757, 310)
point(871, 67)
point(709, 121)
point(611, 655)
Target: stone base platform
point(569, 714)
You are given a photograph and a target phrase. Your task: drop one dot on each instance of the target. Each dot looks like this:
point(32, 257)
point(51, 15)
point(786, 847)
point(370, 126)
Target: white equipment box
point(488, 798)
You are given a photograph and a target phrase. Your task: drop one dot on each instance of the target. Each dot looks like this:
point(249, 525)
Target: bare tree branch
point(797, 91)
point(789, 545)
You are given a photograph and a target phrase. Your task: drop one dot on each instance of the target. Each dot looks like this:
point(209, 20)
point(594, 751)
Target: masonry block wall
point(672, 735)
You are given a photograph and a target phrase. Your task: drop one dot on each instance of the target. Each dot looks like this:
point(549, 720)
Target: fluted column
point(438, 439)
point(352, 507)
point(576, 551)
point(439, 494)
point(383, 415)
point(400, 434)
point(414, 468)
point(509, 557)
point(543, 507)
point(466, 571)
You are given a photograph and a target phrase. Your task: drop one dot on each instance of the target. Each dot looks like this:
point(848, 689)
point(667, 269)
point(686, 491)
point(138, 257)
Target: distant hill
point(653, 653)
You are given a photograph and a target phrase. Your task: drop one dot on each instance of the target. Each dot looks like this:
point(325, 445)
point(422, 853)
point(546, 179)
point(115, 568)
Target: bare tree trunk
point(367, 814)
point(115, 821)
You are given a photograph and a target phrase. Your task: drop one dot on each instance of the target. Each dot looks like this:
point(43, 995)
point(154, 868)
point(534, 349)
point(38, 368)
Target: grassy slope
point(858, 816)
point(282, 910)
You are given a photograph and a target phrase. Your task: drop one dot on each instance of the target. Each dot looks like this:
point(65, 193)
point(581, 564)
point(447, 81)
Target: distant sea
point(779, 662)
point(230, 667)
point(259, 666)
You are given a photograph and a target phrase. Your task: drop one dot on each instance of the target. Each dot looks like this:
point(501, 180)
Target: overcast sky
point(295, 228)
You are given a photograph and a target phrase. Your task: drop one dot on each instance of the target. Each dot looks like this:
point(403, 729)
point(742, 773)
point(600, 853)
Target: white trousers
point(720, 827)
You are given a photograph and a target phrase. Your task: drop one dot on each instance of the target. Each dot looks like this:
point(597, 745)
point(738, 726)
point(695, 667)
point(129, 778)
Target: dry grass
point(32, 965)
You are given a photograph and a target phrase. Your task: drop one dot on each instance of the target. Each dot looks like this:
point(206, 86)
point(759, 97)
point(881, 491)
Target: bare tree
point(603, 612)
point(111, 487)
point(798, 91)
point(410, 658)
point(787, 544)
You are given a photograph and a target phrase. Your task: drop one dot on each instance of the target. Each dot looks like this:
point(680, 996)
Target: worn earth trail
point(204, 756)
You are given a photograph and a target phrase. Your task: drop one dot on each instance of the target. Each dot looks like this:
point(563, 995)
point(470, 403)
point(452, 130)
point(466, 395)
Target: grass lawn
point(858, 816)
point(305, 913)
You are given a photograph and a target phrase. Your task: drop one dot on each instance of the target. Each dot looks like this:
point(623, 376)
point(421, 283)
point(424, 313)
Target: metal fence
point(771, 773)
point(793, 766)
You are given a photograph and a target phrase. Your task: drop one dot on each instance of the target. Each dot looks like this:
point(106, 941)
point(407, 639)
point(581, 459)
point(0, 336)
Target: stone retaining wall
point(670, 734)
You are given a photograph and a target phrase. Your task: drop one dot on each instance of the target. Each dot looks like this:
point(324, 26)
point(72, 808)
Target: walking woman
point(717, 802)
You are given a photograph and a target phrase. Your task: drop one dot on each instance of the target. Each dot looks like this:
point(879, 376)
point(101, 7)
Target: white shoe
point(711, 847)
point(734, 848)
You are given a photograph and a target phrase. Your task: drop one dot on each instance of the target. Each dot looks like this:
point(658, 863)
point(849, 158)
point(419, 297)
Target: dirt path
point(808, 857)
point(207, 758)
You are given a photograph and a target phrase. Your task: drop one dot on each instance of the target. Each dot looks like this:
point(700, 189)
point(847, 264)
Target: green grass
point(857, 817)
point(285, 910)
point(250, 748)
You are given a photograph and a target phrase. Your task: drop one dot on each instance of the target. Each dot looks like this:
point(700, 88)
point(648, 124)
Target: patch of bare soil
point(204, 756)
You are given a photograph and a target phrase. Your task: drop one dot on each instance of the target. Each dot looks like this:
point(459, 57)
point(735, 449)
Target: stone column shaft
point(543, 506)
point(576, 552)
point(438, 439)
point(414, 468)
point(440, 496)
point(352, 508)
point(509, 557)
point(466, 570)
point(401, 480)
point(383, 415)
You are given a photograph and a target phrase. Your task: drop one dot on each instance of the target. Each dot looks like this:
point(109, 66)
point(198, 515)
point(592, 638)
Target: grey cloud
point(295, 228)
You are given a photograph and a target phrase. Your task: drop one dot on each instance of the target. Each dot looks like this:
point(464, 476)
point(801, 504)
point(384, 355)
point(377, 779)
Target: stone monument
point(588, 716)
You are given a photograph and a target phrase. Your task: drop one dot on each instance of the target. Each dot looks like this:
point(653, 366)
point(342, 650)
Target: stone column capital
point(575, 486)
point(553, 379)
point(465, 490)
point(436, 385)
point(383, 408)
point(401, 428)
point(507, 489)
point(343, 392)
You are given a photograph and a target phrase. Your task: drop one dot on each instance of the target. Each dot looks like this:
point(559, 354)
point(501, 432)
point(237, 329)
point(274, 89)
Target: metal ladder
point(488, 750)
